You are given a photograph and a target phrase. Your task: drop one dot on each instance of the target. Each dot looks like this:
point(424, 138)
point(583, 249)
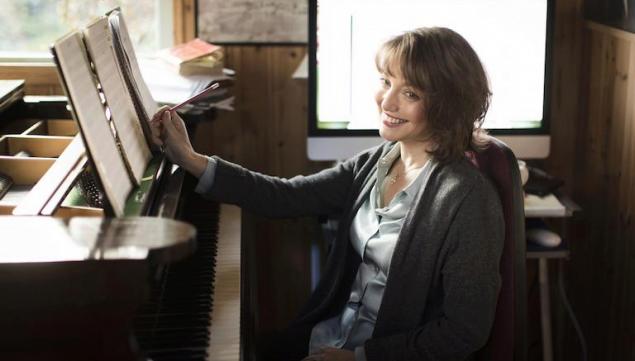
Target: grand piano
point(161, 283)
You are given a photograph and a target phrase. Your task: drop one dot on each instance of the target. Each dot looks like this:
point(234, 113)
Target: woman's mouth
point(391, 121)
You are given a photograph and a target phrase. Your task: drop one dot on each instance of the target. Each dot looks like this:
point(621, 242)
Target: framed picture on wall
point(253, 21)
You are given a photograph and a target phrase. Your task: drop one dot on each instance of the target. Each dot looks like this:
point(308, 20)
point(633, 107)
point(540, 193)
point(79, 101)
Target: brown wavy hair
point(444, 67)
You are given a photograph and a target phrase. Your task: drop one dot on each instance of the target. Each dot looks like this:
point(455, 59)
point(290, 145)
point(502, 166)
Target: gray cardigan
point(443, 281)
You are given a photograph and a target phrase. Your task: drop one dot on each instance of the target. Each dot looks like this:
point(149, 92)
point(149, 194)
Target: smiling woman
point(413, 272)
point(425, 97)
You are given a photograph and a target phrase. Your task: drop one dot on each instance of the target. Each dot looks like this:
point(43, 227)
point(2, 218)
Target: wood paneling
point(184, 18)
point(592, 149)
point(604, 169)
point(267, 133)
point(567, 123)
point(40, 79)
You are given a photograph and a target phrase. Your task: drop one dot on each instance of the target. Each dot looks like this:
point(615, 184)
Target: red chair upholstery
point(507, 339)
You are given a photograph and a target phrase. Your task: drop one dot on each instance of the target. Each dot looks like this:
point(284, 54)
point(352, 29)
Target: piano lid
point(47, 239)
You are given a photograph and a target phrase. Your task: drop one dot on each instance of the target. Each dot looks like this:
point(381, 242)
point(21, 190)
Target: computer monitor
point(512, 38)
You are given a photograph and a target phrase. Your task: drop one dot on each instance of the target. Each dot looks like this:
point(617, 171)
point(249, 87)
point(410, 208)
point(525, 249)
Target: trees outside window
point(29, 27)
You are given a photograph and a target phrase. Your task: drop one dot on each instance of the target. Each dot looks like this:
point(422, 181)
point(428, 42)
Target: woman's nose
point(389, 102)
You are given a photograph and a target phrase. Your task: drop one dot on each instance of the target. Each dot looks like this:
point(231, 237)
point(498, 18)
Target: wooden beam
point(609, 30)
point(184, 13)
point(40, 78)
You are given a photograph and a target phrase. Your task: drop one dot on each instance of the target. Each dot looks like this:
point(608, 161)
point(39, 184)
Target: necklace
point(392, 179)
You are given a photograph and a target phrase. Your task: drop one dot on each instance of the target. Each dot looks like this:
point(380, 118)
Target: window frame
point(40, 74)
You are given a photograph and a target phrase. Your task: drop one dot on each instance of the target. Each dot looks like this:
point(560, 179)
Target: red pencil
point(195, 97)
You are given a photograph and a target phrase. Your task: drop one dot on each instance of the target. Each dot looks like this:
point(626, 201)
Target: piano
point(107, 288)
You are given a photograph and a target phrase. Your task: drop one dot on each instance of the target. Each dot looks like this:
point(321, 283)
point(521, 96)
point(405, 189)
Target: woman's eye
point(384, 82)
point(410, 94)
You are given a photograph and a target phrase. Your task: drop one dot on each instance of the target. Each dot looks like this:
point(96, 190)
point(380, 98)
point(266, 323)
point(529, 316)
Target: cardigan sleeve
point(470, 280)
point(206, 181)
point(322, 193)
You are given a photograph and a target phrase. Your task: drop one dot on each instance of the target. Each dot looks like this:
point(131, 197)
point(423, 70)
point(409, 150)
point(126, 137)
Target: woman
point(413, 272)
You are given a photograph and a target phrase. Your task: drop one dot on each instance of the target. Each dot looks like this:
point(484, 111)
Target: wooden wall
point(567, 110)
point(593, 151)
point(267, 133)
point(40, 79)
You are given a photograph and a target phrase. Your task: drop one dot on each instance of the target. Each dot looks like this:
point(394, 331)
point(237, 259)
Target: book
point(194, 57)
point(145, 105)
point(129, 131)
point(208, 65)
point(190, 51)
point(79, 84)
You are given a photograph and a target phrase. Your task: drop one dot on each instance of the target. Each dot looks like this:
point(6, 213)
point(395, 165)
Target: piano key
point(174, 324)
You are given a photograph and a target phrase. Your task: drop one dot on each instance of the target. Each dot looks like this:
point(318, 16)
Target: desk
point(552, 206)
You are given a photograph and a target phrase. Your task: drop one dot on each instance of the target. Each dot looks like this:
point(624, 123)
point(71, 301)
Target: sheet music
point(129, 64)
point(90, 114)
point(127, 124)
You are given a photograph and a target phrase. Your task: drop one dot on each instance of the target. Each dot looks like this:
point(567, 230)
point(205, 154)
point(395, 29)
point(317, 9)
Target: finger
point(156, 138)
point(160, 112)
point(178, 123)
point(155, 127)
point(166, 116)
point(168, 124)
point(157, 141)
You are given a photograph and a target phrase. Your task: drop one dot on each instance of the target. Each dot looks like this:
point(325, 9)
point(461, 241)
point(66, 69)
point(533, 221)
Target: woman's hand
point(156, 127)
point(331, 354)
point(169, 132)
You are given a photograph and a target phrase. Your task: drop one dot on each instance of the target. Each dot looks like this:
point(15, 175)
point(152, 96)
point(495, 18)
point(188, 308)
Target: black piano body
point(158, 307)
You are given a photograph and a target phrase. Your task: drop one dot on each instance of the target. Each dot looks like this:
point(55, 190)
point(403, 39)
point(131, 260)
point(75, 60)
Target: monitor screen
point(511, 37)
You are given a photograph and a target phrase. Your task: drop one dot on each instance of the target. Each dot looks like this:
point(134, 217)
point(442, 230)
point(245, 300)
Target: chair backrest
point(508, 336)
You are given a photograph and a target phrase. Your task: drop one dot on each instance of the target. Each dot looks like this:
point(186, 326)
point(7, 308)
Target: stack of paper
point(127, 60)
point(89, 112)
point(168, 87)
point(135, 149)
point(547, 206)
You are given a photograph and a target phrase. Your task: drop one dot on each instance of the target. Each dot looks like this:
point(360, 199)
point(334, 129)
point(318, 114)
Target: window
point(29, 27)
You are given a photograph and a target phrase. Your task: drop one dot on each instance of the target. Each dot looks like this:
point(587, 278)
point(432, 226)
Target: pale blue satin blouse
point(373, 234)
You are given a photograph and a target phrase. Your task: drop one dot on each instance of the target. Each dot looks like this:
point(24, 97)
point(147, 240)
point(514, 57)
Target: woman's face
point(401, 109)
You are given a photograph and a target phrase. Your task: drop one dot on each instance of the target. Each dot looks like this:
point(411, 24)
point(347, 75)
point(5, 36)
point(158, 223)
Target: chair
point(508, 336)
